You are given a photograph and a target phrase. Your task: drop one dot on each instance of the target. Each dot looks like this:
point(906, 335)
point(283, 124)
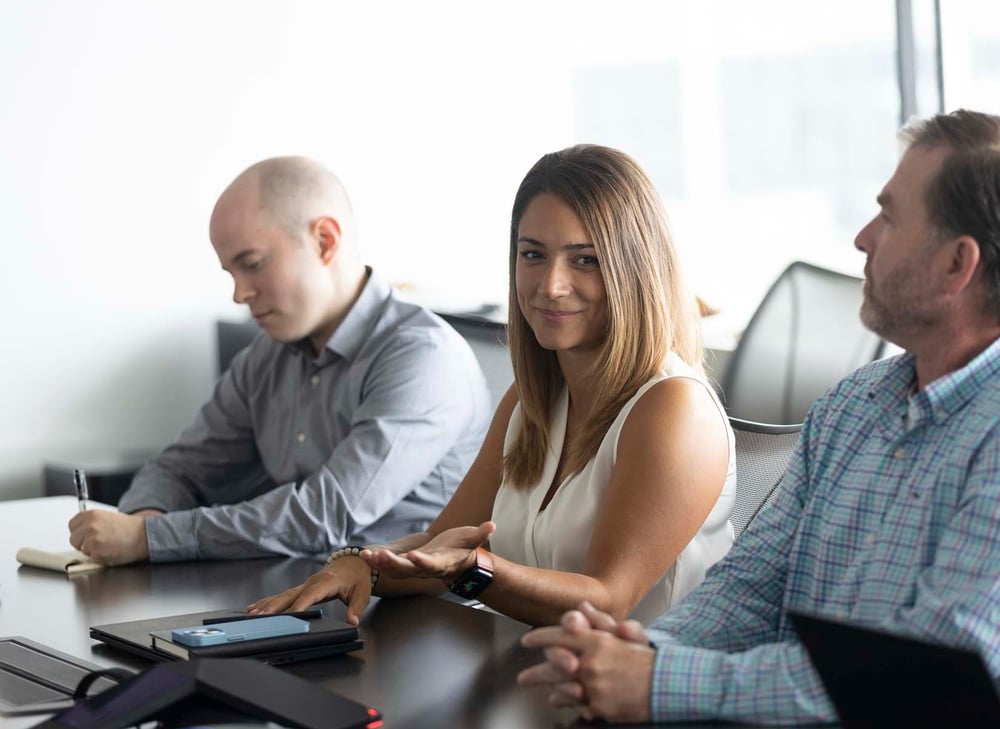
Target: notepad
point(70, 562)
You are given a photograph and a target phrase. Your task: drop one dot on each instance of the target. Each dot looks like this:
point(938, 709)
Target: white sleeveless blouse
point(558, 538)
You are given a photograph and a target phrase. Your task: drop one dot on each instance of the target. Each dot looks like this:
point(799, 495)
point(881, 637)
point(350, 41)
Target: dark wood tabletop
point(427, 662)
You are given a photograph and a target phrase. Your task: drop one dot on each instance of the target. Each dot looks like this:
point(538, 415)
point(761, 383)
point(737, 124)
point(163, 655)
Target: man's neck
point(941, 355)
point(352, 286)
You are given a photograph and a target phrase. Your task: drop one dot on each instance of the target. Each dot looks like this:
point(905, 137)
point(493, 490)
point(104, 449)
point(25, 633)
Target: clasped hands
point(443, 557)
point(595, 664)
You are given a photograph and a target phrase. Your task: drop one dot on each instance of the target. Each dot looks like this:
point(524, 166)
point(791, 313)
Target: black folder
point(875, 678)
point(327, 636)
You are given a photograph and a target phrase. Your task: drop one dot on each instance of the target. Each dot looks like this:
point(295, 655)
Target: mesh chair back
point(762, 452)
point(804, 337)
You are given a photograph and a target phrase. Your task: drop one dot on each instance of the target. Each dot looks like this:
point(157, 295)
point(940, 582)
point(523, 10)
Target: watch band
point(475, 579)
point(484, 560)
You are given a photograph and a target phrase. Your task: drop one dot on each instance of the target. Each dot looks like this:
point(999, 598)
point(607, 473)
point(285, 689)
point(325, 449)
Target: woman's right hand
point(348, 579)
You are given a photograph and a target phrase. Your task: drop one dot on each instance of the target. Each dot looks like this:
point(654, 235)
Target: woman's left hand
point(445, 556)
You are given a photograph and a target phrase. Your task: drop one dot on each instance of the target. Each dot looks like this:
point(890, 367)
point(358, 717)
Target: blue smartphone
point(271, 626)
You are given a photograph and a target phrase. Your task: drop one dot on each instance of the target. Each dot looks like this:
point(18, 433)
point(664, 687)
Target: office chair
point(804, 337)
point(762, 452)
point(231, 337)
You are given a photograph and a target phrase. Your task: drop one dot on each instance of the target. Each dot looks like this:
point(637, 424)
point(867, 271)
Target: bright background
point(767, 126)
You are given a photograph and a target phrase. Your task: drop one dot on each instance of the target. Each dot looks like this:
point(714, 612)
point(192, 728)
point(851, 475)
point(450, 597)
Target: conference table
point(426, 662)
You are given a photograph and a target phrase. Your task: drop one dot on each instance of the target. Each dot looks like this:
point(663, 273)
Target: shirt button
point(939, 414)
point(301, 437)
point(870, 540)
point(314, 380)
point(900, 453)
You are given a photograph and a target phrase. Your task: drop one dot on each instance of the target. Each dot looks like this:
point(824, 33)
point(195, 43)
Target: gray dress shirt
point(298, 454)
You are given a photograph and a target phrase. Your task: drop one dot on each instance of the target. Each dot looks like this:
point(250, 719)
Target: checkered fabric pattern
point(878, 520)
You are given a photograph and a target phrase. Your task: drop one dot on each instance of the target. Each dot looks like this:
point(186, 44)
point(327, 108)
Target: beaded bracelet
point(350, 552)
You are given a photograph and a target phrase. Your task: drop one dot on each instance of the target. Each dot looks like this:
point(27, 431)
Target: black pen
point(307, 614)
point(80, 484)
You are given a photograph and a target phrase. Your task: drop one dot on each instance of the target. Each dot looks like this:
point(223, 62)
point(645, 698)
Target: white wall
point(120, 121)
point(119, 124)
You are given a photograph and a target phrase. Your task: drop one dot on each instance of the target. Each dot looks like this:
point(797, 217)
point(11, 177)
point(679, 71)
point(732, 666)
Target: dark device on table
point(151, 638)
point(212, 690)
point(876, 678)
point(36, 678)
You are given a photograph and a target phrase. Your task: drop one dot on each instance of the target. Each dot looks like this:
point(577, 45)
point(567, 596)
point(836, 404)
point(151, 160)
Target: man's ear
point(327, 233)
point(962, 264)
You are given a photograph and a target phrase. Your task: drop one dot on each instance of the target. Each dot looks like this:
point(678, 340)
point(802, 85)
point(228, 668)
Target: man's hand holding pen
point(110, 537)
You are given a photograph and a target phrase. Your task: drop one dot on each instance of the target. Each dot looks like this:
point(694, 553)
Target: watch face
point(472, 582)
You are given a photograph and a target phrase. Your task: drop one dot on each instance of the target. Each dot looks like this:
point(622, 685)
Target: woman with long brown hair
point(608, 472)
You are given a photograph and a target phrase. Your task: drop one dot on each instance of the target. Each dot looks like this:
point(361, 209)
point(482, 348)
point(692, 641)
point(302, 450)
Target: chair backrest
point(805, 336)
point(231, 337)
point(762, 452)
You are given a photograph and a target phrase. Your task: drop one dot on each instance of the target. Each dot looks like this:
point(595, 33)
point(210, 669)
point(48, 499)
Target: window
point(970, 31)
point(768, 128)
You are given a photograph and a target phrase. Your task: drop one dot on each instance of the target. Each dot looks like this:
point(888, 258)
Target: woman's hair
point(649, 310)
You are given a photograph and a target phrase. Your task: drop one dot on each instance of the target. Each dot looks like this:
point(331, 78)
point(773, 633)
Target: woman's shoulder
point(671, 395)
point(678, 393)
point(675, 417)
point(676, 379)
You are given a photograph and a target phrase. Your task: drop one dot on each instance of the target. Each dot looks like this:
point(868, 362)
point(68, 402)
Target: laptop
point(212, 692)
point(35, 678)
point(876, 678)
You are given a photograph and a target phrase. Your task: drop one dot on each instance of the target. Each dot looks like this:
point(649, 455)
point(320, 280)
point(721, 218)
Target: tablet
point(877, 678)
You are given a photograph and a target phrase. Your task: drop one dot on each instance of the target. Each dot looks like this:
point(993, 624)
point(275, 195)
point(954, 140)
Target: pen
point(80, 484)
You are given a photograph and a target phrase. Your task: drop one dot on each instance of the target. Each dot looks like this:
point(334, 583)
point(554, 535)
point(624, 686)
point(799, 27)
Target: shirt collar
point(348, 338)
point(951, 392)
point(942, 397)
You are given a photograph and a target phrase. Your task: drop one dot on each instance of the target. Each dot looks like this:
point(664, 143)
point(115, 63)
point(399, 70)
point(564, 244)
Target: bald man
point(351, 422)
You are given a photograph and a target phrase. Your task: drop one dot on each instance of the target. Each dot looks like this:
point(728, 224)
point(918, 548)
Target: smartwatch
point(475, 579)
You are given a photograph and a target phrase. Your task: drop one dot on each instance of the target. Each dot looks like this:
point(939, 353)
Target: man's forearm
point(218, 533)
point(771, 684)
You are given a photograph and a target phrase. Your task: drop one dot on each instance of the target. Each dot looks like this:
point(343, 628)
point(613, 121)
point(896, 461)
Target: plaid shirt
point(877, 521)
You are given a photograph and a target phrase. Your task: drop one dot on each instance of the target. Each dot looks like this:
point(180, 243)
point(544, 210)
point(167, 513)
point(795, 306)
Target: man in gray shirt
point(350, 423)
